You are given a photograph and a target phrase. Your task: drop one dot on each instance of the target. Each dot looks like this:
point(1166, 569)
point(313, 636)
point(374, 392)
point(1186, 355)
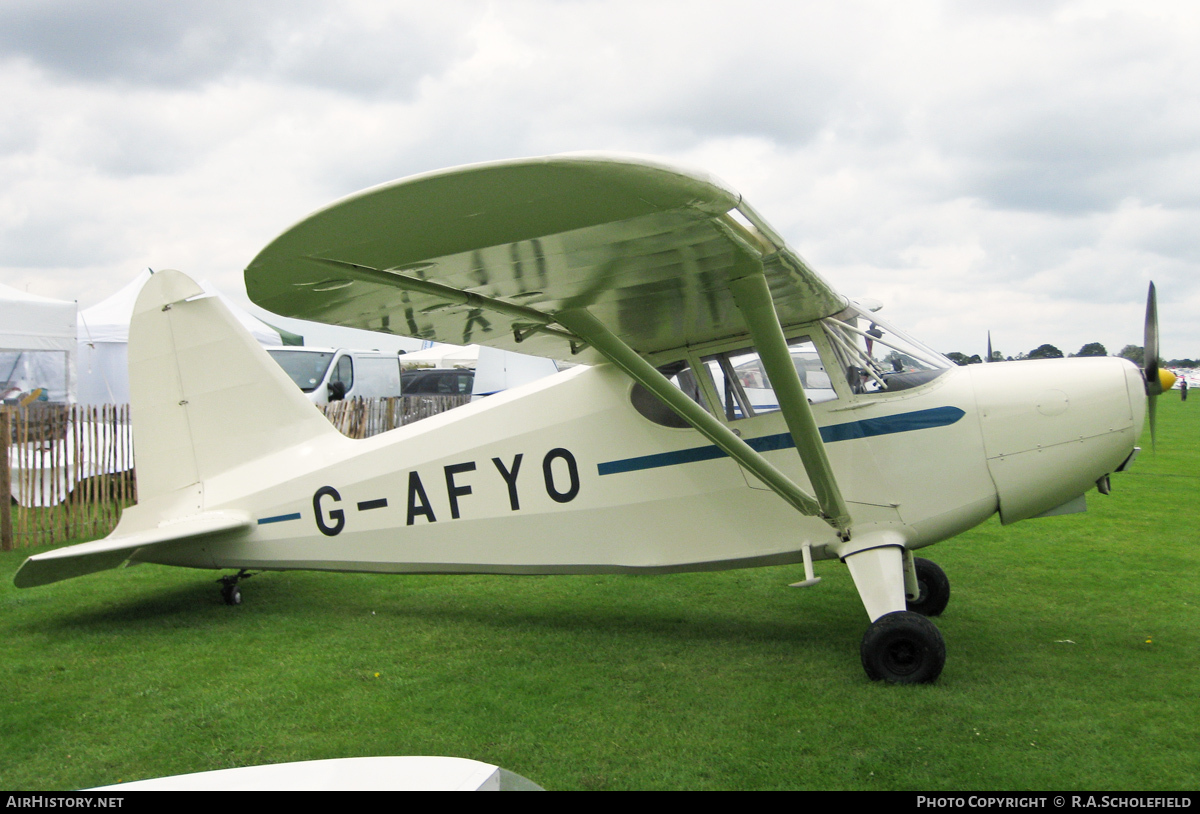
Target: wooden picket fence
point(69, 467)
point(69, 470)
point(362, 418)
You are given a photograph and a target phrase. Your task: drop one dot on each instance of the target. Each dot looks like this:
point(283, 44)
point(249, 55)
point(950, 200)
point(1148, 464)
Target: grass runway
point(1073, 663)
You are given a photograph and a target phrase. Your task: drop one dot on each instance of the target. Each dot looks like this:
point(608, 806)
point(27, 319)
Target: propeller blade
point(989, 356)
point(1152, 414)
point(1156, 381)
point(1150, 345)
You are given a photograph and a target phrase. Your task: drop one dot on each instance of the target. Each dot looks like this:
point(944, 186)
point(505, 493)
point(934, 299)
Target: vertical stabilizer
point(205, 396)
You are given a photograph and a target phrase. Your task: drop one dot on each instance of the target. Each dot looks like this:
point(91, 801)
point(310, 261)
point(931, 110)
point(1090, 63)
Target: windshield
point(876, 357)
point(306, 368)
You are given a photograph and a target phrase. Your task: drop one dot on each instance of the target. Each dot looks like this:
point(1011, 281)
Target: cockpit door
point(741, 394)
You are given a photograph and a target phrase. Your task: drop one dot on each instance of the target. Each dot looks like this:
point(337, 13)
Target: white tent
point(104, 339)
point(37, 345)
point(441, 355)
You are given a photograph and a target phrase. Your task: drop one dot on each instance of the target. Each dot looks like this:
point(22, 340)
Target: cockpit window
point(679, 374)
point(877, 358)
point(745, 390)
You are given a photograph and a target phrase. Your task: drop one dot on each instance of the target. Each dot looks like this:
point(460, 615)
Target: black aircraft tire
point(232, 595)
point(903, 647)
point(934, 588)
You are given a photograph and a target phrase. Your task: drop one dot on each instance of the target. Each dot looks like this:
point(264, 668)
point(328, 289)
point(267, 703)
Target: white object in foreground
point(346, 774)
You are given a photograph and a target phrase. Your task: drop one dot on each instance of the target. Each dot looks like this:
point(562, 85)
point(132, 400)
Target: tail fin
point(205, 396)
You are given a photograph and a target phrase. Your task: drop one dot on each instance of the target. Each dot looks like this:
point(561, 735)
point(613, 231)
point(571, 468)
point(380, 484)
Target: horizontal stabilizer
point(113, 551)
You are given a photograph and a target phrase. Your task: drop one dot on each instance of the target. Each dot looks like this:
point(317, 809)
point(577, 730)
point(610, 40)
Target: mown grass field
point(1074, 663)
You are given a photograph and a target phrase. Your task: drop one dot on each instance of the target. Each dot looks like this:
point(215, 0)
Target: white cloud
point(1025, 167)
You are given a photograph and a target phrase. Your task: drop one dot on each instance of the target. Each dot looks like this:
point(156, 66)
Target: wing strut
point(537, 321)
point(753, 298)
point(591, 330)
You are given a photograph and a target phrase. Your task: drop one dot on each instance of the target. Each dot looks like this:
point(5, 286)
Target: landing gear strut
point(230, 591)
point(901, 646)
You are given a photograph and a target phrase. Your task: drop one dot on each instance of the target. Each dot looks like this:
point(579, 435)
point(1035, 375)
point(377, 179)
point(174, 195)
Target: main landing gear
point(903, 647)
point(230, 592)
point(933, 588)
point(900, 592)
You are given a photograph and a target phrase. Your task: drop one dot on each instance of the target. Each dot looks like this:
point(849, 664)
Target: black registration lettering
point(336, 515)
point(510, 477)
point(418, 501)
point(572, 475)
point(454, 490)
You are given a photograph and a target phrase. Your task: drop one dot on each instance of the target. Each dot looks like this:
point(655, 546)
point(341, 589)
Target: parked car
point(437, 382)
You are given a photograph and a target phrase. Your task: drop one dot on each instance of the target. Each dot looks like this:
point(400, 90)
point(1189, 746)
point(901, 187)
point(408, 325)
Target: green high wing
point(583, 257)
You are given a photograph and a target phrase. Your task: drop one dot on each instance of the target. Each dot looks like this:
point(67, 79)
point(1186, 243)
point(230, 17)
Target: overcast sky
point(1023, 167)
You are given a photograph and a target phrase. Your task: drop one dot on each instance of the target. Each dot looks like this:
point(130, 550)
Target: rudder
point(205, 397)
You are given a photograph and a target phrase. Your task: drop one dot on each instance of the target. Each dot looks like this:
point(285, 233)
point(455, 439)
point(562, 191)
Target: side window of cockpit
point(679, 374)
point(745, 391)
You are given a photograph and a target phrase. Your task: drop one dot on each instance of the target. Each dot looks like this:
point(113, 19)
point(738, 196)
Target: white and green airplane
point(731, 409)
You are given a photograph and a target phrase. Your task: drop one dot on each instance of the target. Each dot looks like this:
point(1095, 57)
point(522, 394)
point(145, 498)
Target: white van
point(332, 374)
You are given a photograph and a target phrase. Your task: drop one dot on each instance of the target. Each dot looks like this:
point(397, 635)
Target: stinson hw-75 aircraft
point(732, 409)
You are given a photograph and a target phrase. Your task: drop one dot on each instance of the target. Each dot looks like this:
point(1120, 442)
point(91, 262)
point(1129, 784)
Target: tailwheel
point(933, 588)
point(230, 592)
point(903, 647)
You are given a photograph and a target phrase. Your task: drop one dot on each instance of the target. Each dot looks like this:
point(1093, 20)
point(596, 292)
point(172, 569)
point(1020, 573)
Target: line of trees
point(1133, 353)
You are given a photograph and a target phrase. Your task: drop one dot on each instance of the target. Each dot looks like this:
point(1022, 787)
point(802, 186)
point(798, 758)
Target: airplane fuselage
point(737, 411)
point(565, 476)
